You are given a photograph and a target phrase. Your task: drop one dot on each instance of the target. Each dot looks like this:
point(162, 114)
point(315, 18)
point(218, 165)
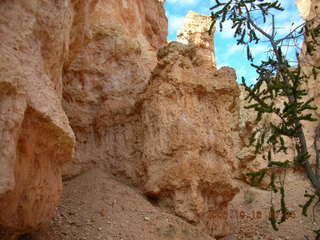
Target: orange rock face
point(36, 138)
point(97, 57)
point(155, 120)
point(310, 10)
point(159, 115)
point(195, 31)
point(103, 81)
point(188, 115)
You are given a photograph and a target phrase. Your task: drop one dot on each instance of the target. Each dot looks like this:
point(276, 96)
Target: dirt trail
point(95, 206)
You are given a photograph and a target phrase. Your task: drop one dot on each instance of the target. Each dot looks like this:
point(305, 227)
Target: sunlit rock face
point(158, 115)
point(94, 56)
point(36, 138)
point(310, 11)
point(188, 116)
point(154, 116)
point(104, 78)
point(304, 7)
point(196, 31)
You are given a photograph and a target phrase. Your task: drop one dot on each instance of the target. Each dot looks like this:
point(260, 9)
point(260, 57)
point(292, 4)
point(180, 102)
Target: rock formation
point(36, 138)
point(188, 150)
point(94, 84)
point(195, 31)
point(310, 11)
point(304, 7)
point(104, 80)
point(117, 103)
point(94, 56)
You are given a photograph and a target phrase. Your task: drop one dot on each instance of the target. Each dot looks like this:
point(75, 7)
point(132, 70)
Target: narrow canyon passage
point(110, 132)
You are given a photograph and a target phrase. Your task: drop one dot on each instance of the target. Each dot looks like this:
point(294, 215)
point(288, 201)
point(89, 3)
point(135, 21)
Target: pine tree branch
point(290, 36)
point(315, 181)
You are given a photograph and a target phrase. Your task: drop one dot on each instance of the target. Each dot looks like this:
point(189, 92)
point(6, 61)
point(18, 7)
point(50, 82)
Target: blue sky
point(227, 52)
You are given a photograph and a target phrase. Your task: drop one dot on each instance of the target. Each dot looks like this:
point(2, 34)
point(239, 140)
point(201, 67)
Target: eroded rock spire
point(195, 31)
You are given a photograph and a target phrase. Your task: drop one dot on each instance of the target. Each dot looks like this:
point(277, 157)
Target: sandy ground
point(95, 206)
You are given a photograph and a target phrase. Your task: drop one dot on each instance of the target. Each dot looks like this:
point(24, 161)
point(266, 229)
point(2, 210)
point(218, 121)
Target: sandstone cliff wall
point(188, 150)
point(310, 11)
point(36, 138)
point(154, 119)
point(104, 79)
point(92, 57)
point(97, 78)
